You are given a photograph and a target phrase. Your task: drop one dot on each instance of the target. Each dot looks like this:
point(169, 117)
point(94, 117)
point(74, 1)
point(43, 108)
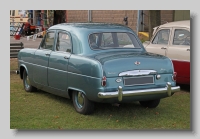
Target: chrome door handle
point(163, 48)
point(66, 57)
point(47, 54)
point(188, 49)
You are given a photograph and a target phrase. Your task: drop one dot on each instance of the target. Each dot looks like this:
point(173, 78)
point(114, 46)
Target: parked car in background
point(96, 62)
point(173, 40)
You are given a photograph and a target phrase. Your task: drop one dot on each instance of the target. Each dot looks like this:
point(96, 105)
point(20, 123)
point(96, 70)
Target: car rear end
point(136, 77)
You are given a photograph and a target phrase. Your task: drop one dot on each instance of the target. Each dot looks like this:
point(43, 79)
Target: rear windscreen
point(111, 40)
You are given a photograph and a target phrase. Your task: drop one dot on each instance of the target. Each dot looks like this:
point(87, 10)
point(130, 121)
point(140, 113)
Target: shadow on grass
point(184, 87)
point(60, 99)
point(100, 108)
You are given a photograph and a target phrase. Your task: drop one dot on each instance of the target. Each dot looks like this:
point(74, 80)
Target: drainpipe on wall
point(138, 21)
point(89, 15)
point(66, 16)
point(142, 20)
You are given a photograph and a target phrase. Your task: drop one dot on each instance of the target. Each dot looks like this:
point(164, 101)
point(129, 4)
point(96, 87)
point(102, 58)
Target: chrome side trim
point(63, 71)
point(84, 75)
point(120, 93)
point(137, 72)
point(57, 69)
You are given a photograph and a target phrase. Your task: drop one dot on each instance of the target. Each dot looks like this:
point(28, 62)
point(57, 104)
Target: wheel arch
point(71, 90)
point(22, 68)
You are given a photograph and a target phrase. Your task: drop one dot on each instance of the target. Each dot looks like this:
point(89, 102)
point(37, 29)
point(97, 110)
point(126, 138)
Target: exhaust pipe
point(17, 72)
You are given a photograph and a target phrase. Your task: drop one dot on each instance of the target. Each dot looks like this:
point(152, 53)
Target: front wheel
point(150, 103)
point(82, 104)
point(27, 86)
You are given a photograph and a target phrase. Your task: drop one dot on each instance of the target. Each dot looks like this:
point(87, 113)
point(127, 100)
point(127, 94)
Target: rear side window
point(162, 37)
point(107, 39)
point(113, 40)
point(48, 41)
point(63, 42)
point(124, 39)
point(181, 37)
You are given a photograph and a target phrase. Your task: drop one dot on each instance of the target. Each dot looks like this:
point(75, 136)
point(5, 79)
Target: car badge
point(137, 63)
point(118, 80)
point(111, 72)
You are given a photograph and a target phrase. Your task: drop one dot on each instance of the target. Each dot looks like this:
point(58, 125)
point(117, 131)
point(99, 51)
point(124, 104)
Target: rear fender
point(75, 89)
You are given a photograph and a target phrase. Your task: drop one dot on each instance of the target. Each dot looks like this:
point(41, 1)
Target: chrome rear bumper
point(120, 93)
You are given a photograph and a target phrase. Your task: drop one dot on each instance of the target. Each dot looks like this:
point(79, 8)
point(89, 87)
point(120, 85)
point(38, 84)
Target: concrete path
point(27, 44)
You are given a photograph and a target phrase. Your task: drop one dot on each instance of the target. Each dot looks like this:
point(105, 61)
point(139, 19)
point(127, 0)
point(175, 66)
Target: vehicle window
point(181, 37)
point(63, 42)
point(162, 37)
point(48, 42)
point(124, 40)
point(107, 40)
point(111, 40)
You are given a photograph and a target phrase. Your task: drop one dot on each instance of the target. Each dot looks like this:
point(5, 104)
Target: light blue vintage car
point(96, 62)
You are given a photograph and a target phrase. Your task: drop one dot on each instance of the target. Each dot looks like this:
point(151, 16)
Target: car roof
point(183, 23)
point(90, 26)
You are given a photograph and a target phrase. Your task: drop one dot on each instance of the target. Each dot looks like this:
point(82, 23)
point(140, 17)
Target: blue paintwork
point(85, 67)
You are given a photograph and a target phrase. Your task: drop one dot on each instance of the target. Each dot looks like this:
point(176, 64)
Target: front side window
point(181, 37)
point(111, 40)
point(162, 37)
point(48, 41)
point(63, 42)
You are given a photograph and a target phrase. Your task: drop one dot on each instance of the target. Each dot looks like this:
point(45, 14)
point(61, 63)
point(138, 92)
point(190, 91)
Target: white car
point(173, 40)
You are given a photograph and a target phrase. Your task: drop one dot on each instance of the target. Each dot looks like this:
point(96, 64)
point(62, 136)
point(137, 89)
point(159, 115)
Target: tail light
point(103, 81)
point(174, 76)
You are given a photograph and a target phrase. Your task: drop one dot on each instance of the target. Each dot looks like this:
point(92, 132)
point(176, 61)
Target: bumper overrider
point(120, 93)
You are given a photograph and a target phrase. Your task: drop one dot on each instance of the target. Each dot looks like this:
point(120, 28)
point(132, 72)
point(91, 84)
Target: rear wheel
point(150, 103)
point(27, 86)
point(82, 104)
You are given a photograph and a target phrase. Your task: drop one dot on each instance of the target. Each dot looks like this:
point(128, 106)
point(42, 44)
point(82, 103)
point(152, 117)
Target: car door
point(160, 41)
point(179, 53)
point(179, 47)
point(42, 58)
point(58, 61)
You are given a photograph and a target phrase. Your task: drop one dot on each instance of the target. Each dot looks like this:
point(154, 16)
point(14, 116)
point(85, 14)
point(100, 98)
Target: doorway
point(59, 16)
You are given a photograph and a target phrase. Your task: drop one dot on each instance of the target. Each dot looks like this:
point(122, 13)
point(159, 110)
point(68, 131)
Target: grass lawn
point(41, 110)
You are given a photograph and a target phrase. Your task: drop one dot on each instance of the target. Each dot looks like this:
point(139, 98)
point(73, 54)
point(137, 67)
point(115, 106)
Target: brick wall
point(111, 16)
point(77, 16)
point(167, 16)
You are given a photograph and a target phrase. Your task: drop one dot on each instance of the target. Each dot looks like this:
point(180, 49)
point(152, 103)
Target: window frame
point(161, 29)
point(70, 38)
point(65, 32)
point(178, 28)
point(114, 34)
point(43, 40)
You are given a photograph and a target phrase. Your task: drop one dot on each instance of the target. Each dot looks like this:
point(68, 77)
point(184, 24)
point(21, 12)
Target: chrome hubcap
point(27, 82)
point(80, 99)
